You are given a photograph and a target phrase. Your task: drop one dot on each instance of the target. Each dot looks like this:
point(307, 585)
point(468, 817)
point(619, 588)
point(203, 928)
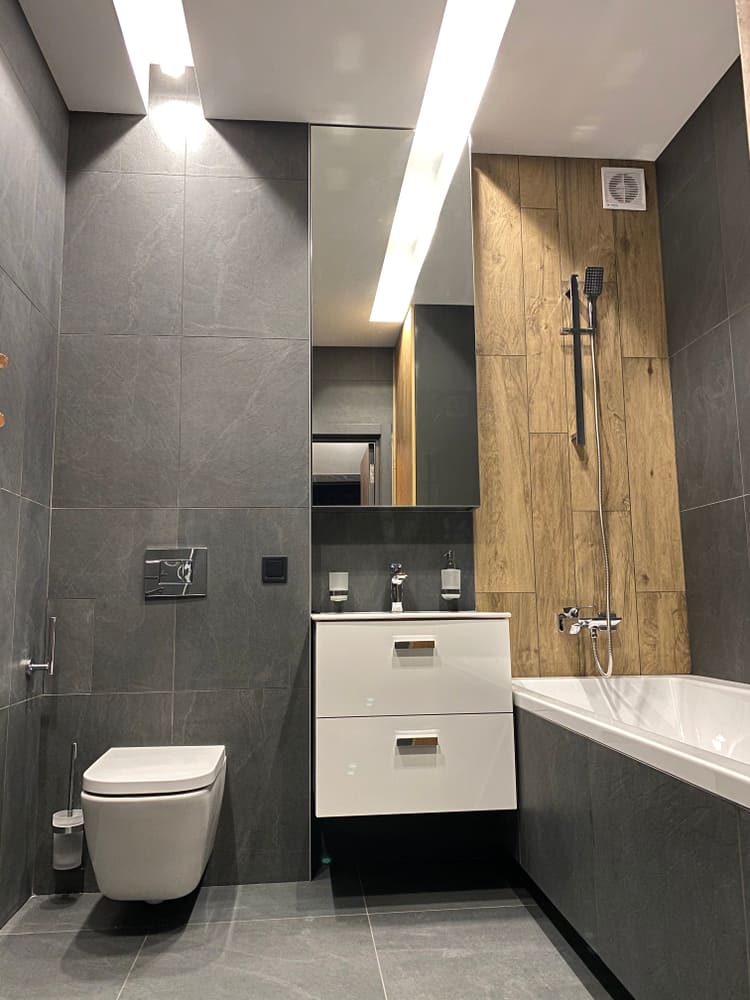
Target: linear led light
point(470, 35)
point(154, 31)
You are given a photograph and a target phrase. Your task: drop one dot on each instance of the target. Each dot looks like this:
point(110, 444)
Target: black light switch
point(274, 569)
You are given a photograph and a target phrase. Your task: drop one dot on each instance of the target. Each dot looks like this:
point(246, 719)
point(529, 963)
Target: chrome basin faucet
point(397, 587)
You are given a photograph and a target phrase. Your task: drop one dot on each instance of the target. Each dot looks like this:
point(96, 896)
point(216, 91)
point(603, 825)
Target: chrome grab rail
point(49, 666)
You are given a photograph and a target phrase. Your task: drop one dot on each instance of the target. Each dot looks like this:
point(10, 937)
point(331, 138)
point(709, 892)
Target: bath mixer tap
point(595, 624)
point(397, 587)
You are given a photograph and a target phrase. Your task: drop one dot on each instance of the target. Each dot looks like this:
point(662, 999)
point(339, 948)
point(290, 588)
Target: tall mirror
point(394, 413)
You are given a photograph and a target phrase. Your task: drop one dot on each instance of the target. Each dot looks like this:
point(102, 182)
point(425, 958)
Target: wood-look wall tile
point(498, 271)
point(586, 228)
point(664, 639)
point(643, 327)
point(553, 550)
point(524, 637)
point(504, 561)
point(538, 181)
point(540, 246)
point(590, 582)
point(657, 544)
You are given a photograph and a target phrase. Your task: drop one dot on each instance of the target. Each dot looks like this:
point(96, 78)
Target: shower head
point(593, 282)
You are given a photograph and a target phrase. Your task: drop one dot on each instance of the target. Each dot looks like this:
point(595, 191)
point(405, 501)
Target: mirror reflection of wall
point(405, 390)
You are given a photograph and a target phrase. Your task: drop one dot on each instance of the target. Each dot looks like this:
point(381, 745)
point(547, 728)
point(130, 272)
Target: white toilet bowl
point(150, 815)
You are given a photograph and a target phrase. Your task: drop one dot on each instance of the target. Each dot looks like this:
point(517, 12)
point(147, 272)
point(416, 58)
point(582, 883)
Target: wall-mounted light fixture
point(154, 32)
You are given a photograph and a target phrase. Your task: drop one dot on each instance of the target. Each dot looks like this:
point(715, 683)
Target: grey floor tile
point(397, 890)
point(65, 966)
point(86, 911)
point(315, 958)
point(501, 953)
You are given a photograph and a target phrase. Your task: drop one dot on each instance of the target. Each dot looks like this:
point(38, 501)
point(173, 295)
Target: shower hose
point(604, 672)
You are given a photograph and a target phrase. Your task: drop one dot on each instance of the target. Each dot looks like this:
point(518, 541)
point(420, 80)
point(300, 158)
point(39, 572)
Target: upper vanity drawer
point(412, 667)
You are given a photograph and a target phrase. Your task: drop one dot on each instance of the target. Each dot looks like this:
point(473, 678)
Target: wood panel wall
point(536, 221)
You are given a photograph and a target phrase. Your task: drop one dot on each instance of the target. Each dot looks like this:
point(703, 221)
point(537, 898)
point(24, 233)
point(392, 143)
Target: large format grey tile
point(117, 422)
point(62, 913)
point(19, 808)
point(30, 614)
point(272, 150)
point(6, 901)
point(692, 259)
point(472, 954)
point(10, 507)
point(123, 254)
point(705, 420)
point(40, 374)
point(316, 957)
point(739, 326)
point(390, 887)
point(717, 581)
point(245, 633)
point(688, 150)
point(556, 840)
point(244, 423)
point(43, 254)
point(74, 655)
point(14, 385)
point(263, 827)
point(65, 966)
point(666, 859)
point(733, 172)
point(245, 258)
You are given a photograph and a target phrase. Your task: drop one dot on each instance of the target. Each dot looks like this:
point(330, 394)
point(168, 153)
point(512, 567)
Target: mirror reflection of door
point(344, 472)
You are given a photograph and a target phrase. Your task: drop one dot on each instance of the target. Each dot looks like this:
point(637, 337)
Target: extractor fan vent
point(624, 188)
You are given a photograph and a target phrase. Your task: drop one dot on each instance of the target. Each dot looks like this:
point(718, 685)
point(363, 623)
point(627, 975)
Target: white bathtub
point(694, 728)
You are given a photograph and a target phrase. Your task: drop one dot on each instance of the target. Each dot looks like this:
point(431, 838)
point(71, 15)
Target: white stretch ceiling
point(608, 78)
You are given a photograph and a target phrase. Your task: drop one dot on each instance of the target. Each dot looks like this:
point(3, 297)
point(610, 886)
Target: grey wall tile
point(272, 150)
point(40, 376)
point(118, 421)
point(733, 170)
point(688, 150)
point(705, 417)
point(739, 326)
point(244, 423)
point(6, 902)
point(353, 364)
point(245, 633)
point(10, 508)
point(245, 258)
point(133, 644)
point(19, 807)
point(123, 261)
point(717, 580)
point(122, 144)
point(30, 614)
point(14, 381)
point(75, 646)
point(43, 255)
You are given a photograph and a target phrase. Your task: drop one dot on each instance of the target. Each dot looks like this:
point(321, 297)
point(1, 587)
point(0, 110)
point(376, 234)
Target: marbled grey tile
point(75, 646)
point(263, 827)
point(472, 954)
point(6, 896)
point(246, 252)
point(30, 614)
point(689, 149)
point(62, 913)
point(556, 839)
point(733, 172)
point(245, 633)
point(10, 507)
point(739, 327)
point(14, 380)
point(129, 144)
point(43, 254)
point(133, 644)
point(244, 423)
point(705, 420)
point(666, 858)
point(717, 582)
point(66, 966)
point(307, 958)
point(272, 150)
point(19, 808)
point(40, 375)
point(692, 259)
point(117, 422)
point(727, 101)
point(352, 364)
point(123, 254)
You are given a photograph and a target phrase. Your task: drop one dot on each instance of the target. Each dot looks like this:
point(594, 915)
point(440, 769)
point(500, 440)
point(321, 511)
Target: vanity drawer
point(412, 667)
point(459, 763)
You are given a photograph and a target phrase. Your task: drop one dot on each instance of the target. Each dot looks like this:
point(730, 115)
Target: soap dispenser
point(450, 578)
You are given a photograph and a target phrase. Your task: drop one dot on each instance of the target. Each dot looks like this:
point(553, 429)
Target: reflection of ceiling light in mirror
point(470, 35)
point(155, 32)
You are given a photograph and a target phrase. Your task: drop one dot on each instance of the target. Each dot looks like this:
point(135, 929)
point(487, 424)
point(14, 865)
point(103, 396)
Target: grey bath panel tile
point(739, 326)
point(118, 422)
point(692, 259)
point(471, 954)
point(30, 615)
point(666, 858)
point(75, 646)
point(245, 258)
point(555, 832)
point(705, 420)
point(123, 254)
point(43, 257)
point(14, 331)
point(40, 362)
point(10, 507)
point(717, 581)
point(273, 150)
point(688, 150)
point(245, 633)
point(65, 966)
point(316, 957)
point(264, 816)
point(244, 423)
point(19, 808)
point(133, 644)
point(733, 169)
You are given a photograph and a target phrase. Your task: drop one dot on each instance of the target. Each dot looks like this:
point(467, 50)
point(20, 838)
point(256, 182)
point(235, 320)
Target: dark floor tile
point(86, 911)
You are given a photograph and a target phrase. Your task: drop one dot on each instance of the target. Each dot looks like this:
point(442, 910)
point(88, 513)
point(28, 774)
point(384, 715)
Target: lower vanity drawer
point(414, 764)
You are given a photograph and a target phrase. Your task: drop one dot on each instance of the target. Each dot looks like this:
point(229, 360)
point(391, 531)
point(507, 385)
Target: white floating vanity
point(414, 713)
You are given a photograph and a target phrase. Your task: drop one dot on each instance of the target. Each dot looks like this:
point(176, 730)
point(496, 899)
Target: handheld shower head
point(593, 282)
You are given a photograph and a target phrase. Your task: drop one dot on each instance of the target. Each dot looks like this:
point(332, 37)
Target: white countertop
point(369, 616)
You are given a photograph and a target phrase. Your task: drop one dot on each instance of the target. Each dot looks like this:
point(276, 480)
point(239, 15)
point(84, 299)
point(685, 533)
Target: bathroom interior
point(374, 545)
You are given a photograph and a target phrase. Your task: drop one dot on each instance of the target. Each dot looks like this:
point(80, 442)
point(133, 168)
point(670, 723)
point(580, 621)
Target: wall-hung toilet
point(150, 816)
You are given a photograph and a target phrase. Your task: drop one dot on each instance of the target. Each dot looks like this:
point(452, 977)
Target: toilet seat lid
point(154, 770)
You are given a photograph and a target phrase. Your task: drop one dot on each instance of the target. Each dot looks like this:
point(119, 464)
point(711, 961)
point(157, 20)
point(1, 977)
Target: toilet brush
point(67, 826)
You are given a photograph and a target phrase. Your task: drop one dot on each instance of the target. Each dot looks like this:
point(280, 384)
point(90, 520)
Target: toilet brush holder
point(67, 839)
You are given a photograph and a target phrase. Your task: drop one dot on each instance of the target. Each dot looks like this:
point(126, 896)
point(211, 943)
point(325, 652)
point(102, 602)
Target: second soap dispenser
point(450, 578)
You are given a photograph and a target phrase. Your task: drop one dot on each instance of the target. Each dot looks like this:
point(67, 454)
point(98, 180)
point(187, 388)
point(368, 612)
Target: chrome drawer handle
point(399, 644)
point(405, 742)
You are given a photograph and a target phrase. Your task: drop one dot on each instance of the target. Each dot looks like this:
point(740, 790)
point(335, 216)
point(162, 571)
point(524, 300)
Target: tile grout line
point(372, 934)
point(132, 966)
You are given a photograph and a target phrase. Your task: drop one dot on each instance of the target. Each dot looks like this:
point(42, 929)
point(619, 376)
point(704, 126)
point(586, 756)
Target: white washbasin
point(365, 616)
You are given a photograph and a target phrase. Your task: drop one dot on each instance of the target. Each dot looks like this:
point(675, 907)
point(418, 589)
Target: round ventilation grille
point(623, 188)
